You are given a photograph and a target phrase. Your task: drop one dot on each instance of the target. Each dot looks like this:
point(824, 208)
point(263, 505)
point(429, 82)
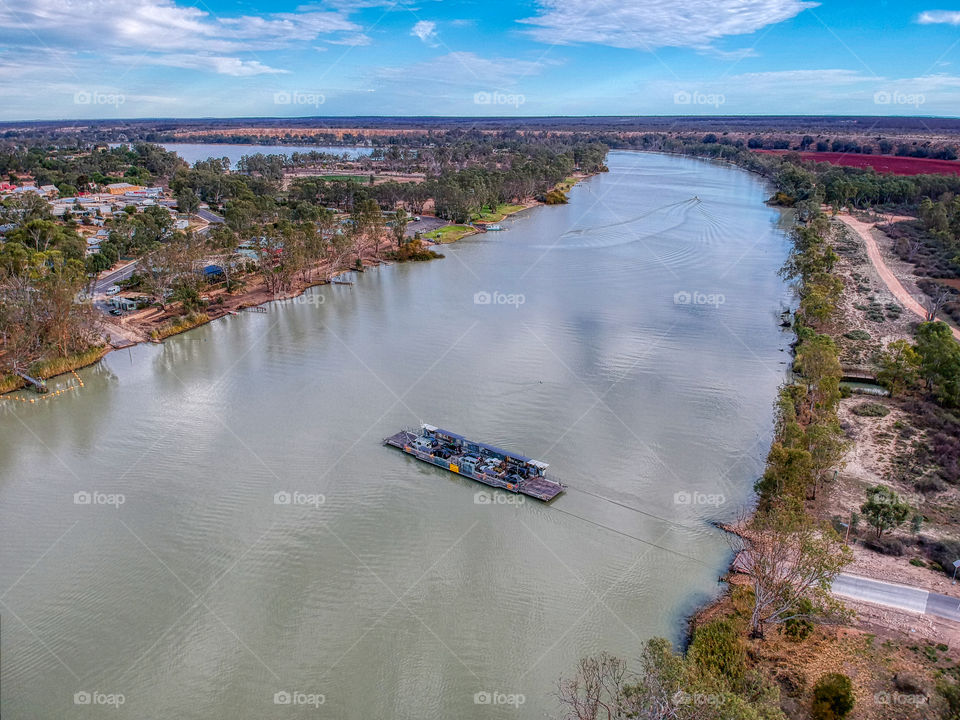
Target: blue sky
point(171, 58)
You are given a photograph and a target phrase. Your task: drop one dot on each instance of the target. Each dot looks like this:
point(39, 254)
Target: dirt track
point(889, 279)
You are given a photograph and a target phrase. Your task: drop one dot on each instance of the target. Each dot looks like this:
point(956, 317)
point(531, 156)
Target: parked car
point(116, 311)
point(113, 290)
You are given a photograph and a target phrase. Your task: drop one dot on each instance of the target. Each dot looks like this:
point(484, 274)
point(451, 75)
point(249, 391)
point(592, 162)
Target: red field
point(882, 163)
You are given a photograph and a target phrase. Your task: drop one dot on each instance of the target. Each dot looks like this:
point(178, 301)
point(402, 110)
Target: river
point(631, 340)
point(192, 152)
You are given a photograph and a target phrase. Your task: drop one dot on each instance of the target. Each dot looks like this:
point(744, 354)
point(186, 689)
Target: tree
point(670, 686)
point(187, 201)
point(790, 559)
point(884, 509)
point(939, 361)
point(898, 365)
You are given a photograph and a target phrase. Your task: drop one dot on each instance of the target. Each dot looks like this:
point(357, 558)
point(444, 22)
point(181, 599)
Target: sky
point(86, 59)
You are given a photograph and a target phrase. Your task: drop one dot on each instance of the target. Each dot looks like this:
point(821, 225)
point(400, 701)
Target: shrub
point(832, 697)
point(885, 545)
point(917, 562)
point(800, 628)
point(871, 409)
point(857, 335)
point(718, 649)
point(943, 553)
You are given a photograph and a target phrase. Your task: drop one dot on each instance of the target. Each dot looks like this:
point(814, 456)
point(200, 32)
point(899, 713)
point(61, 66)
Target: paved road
point(902, 597)
point(890, 280)
point(109, 278)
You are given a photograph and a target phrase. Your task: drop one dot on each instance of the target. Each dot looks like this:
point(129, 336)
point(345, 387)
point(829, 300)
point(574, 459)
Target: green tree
point(939, 361)
point(884, 509)
point(898, 365)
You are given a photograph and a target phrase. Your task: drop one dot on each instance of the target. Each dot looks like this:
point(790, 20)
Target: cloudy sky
point(166, 58)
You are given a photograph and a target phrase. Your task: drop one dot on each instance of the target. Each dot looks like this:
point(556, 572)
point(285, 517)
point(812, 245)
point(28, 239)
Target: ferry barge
point(478, 461)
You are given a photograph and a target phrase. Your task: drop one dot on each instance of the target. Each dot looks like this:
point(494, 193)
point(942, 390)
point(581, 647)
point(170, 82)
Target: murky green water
point(639, 356)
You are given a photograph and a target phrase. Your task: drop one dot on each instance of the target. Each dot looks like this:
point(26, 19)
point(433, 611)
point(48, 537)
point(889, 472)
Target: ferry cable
point(630, 507)
point(634, 537)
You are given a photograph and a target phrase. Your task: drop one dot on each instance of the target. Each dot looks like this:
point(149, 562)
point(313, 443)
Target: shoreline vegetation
point(288, 224)
point(777, 643)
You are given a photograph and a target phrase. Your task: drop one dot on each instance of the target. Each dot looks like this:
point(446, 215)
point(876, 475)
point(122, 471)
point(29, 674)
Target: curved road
point(890, 280)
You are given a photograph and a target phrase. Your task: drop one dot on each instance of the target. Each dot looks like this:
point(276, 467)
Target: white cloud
point(426, 30)
point(355, 40)
point(217, 63)
point(465, 70)
point(648, 24)
point(158, 29)
point(939, 17)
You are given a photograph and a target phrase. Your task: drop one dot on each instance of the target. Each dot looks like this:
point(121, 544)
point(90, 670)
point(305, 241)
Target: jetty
point(39, 386)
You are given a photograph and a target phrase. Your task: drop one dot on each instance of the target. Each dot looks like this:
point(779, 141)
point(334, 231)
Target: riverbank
point(884, 449)
point(156, 324)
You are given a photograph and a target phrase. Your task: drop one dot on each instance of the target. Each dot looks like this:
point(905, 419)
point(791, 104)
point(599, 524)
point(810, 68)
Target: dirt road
point(890, 280)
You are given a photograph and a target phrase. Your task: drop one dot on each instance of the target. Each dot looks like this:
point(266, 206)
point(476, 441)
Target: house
point(123, 304)
point(26, 188)
point(122, 187)
point(212, 271)
point(49, 190)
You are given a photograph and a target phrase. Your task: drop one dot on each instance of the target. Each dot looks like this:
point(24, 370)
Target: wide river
point(631, 340)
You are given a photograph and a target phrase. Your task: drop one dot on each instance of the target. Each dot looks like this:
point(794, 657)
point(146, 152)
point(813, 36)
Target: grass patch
point(354, 178)
point(857, 335)
point(488, 215)
point(449, 233)
point(179, 325)
point(44, 369)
